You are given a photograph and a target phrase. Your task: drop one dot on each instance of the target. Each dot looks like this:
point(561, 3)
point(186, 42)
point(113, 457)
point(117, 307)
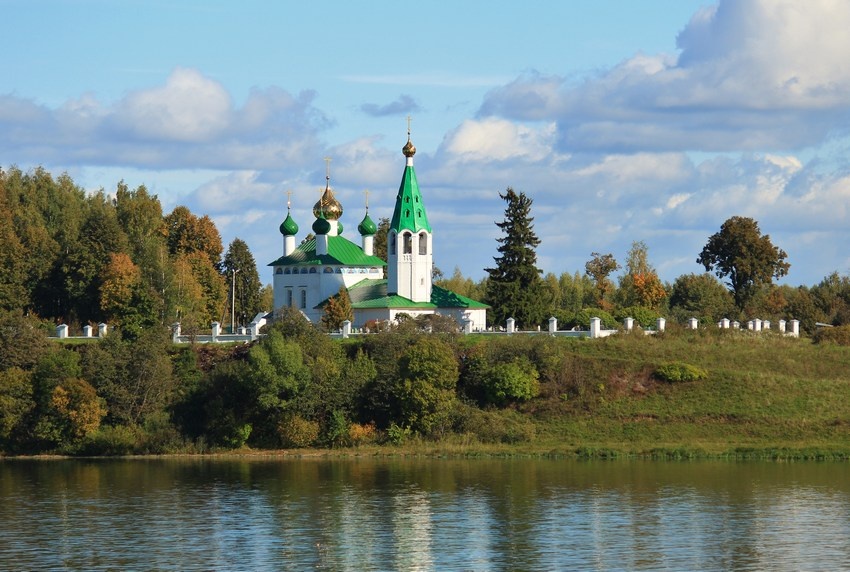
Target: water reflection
point(367, 514)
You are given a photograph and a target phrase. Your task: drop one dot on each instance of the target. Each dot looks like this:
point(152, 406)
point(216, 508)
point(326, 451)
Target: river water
point(435, 514)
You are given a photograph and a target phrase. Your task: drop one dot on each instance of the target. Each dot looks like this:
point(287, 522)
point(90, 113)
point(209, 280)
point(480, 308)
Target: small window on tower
point(423, 243)
point(408, 243)
point(392, 239)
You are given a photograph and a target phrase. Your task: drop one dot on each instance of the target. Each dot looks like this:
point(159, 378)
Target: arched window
point(303, 298)
point(329, 270)
point(278, 270)
point(423, 243)
point(312, 270)
point(407, 238)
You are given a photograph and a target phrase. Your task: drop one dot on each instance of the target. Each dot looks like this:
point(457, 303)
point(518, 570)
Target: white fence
point(252, 331)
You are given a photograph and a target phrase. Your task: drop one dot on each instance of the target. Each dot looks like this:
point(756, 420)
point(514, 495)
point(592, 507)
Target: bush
point(583, 316)
point(109, 440)
point(678, 372)
point(839, 335)
point(297, 432)
point(362, 434)
point(644, 317)
point(512, 381)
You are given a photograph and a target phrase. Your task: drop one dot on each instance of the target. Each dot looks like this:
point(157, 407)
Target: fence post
point(660, 324)
point(216, 331)
point(693, 323)
point(795, 328)
point(629, 324)
point(511, 325)
point(595, 327)
point(553, 325)
point(346, 328)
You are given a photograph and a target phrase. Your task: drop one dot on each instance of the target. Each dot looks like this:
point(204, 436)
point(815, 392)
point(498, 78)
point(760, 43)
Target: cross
point(288, 199)
point(408, 127)
point(366, 192)
point(327, 168)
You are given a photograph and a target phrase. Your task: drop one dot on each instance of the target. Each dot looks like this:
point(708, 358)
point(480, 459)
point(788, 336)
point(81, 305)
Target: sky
point(623, 121)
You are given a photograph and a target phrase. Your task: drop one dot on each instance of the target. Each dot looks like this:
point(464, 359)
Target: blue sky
point(623, 121)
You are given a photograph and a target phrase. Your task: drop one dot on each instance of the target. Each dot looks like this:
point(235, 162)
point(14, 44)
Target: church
point(310, 273)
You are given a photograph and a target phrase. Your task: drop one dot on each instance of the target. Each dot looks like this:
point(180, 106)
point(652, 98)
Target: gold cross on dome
point(366, 193)
point(327, 168)
point(289, 199)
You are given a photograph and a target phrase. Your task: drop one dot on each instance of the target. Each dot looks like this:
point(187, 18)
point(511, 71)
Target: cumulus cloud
point(188, 122)
point(752, 75)
point(493, 139)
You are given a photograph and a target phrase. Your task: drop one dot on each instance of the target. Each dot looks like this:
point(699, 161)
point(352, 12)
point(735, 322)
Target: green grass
point(765, 396)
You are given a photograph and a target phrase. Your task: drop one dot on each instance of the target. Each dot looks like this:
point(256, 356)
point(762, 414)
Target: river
point(422, 514)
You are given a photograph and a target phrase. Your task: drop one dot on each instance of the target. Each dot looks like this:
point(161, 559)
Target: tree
point(187, 233)
point(700, 296)
point(246, 298)
point(515, 288)
point(425, 388)
point(379, 243)
point(640, 285)
point(337, 310)
point(748, 259)
point(598, 268)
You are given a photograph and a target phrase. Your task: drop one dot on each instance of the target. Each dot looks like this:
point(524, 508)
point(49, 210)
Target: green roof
point(371, 293)
point(341, 251)
point(409, 213)
point(447, 299)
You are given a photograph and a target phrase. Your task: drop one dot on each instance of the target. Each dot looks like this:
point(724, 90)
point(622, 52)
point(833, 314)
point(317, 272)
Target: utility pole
point(233, 302)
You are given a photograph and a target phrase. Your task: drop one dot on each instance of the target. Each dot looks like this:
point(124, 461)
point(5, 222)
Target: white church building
point(308, 274)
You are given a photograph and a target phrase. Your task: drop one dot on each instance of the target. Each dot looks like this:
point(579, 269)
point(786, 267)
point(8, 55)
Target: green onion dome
point(367, 226)
point(288, 227)
point(321, 226)
point(339, 228)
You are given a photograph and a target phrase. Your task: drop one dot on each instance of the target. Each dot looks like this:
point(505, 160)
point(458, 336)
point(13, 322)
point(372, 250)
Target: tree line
point(740, 262)
point(74, 257)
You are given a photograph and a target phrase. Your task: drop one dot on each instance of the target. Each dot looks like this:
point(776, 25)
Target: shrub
point(644, 317)
point(297, 432)
point(109, 440)
point(362, 434)
point(839, 335)
point(512, 381)
point(583, 316)
point(677, 371)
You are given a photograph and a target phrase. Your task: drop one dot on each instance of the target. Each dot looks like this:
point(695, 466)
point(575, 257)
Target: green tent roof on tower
point(409, 213)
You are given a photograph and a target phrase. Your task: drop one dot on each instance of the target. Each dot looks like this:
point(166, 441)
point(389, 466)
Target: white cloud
point(188, 108)
point(754, 75)
point(499, 140)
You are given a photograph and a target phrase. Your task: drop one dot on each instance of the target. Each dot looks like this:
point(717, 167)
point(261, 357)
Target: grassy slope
point(765, 396)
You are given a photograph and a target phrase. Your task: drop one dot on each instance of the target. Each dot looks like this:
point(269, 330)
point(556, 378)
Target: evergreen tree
point(515, 289)
point(246, 281)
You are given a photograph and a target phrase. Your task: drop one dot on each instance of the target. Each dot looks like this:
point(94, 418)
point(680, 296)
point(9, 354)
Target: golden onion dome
point(328, 206)
point(409, 150)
